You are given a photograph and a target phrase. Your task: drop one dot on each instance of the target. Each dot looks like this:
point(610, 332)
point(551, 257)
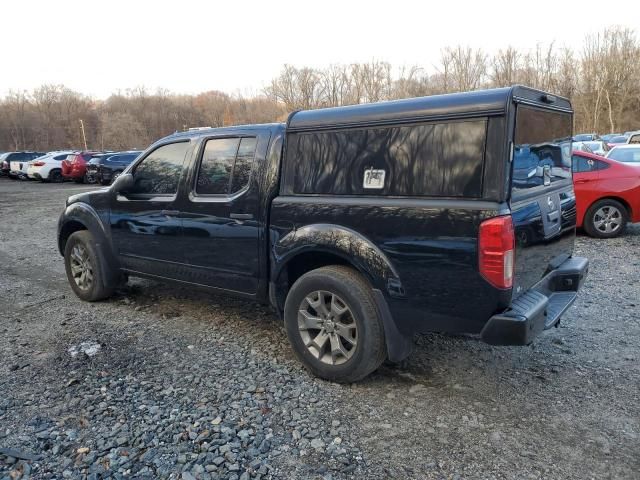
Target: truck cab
point(360, 225)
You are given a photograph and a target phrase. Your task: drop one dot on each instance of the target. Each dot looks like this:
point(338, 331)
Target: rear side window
point(226, 165)
point(160, 171)
point(542, 149)
point(581, 164)
point(59, 157)
point(437, 159)
point(244, 162)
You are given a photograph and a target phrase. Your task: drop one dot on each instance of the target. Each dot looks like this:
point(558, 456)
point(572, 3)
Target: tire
point(81, 245)
point(606, 218)
point(349, 289)
point(55, 176)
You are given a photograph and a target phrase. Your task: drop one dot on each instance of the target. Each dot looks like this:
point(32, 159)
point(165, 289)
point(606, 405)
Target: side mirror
point(123, 184)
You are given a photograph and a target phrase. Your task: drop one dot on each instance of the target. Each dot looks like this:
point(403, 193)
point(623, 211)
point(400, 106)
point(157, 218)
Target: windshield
point(627, 155)
point(595, 146)
point(542, 149)
point(583, 137)
point(618, 139)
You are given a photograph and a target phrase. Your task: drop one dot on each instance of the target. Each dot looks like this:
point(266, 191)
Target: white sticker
point(373, 178)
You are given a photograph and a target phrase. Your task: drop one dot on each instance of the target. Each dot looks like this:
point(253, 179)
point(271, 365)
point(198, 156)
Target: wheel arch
point(620, 200)
point(81, 216)
point(315, 246)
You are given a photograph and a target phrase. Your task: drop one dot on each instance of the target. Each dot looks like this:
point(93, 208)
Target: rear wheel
point(83, 267)
point(606, 218)
point(333, 324)
point(55, 176)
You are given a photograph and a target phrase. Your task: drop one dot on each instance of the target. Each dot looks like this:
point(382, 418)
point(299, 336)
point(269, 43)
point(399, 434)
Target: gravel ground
point(173, 383)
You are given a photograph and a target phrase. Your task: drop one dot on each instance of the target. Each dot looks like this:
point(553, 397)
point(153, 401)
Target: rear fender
point(366, 257)
point(343, 242)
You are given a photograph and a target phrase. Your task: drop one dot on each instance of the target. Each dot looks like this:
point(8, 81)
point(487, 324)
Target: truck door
point(145, 223)
point(222, 218)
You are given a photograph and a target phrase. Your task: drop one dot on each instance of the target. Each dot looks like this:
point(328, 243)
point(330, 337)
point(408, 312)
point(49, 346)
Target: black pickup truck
point(361, 225)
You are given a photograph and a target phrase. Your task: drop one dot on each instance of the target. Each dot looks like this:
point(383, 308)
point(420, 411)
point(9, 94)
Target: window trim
point(194, 196)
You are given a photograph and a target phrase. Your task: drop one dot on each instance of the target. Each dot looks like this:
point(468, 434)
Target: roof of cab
point(450, 106)
point(231, 130)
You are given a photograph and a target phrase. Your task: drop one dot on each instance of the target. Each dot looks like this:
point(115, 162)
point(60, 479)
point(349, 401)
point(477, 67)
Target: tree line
point(602, 80)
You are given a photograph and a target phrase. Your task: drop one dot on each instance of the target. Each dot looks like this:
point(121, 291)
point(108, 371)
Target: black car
point(105, 168)
point(360, 225)
point(8, 157)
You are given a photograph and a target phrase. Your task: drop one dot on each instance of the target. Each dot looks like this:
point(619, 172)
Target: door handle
point(170, 213)
point(241, 216)
point(581, 181)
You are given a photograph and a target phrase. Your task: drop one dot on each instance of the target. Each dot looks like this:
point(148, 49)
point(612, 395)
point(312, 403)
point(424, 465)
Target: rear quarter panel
point(431, 246)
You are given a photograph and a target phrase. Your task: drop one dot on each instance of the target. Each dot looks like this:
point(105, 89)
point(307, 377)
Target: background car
point(585, 137)
point(106, 168)
point(607, 194)
point(593, 146)
point(19, 157)
point(634, 138)
point(74, 167)
point(608, 136)
point(616, 140)
point(629, 153)
point(48, 168)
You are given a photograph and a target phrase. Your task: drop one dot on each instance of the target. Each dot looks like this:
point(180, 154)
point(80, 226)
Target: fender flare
point(86, 215)
point(368, 259)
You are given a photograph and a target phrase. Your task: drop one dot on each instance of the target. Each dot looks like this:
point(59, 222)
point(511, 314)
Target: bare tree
point(602, 81)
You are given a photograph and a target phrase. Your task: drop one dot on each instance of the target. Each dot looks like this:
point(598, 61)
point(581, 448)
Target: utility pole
point(84, 137)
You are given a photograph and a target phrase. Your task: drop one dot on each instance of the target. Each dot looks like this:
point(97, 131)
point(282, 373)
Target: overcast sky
point(99, 46)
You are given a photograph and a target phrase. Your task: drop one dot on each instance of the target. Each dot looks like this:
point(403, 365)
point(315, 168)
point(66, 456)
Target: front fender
point(345, 243)
point(79, 216)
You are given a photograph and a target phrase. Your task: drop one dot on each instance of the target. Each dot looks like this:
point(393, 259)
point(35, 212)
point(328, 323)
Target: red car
point(75, 166)
point(607, 194)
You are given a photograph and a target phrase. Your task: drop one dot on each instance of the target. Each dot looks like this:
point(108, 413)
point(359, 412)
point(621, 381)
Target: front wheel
point(83, 267)
point(333, 324)
point(606, 218)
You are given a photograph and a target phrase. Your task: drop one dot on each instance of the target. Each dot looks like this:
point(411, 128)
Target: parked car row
point(610, 139)
point(61, 165)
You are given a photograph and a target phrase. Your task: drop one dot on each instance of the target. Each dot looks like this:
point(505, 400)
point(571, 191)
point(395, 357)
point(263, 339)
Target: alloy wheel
point(327, 327)
point(607, 219)
point(81, 267)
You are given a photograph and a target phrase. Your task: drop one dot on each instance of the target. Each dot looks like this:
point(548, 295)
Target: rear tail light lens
point(496, 251)
point(37, 164)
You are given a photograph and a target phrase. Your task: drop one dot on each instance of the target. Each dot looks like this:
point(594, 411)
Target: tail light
point(496, 251)
point(37, 164)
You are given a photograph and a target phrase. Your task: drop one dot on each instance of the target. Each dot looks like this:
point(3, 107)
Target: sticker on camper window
point(373, 178)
